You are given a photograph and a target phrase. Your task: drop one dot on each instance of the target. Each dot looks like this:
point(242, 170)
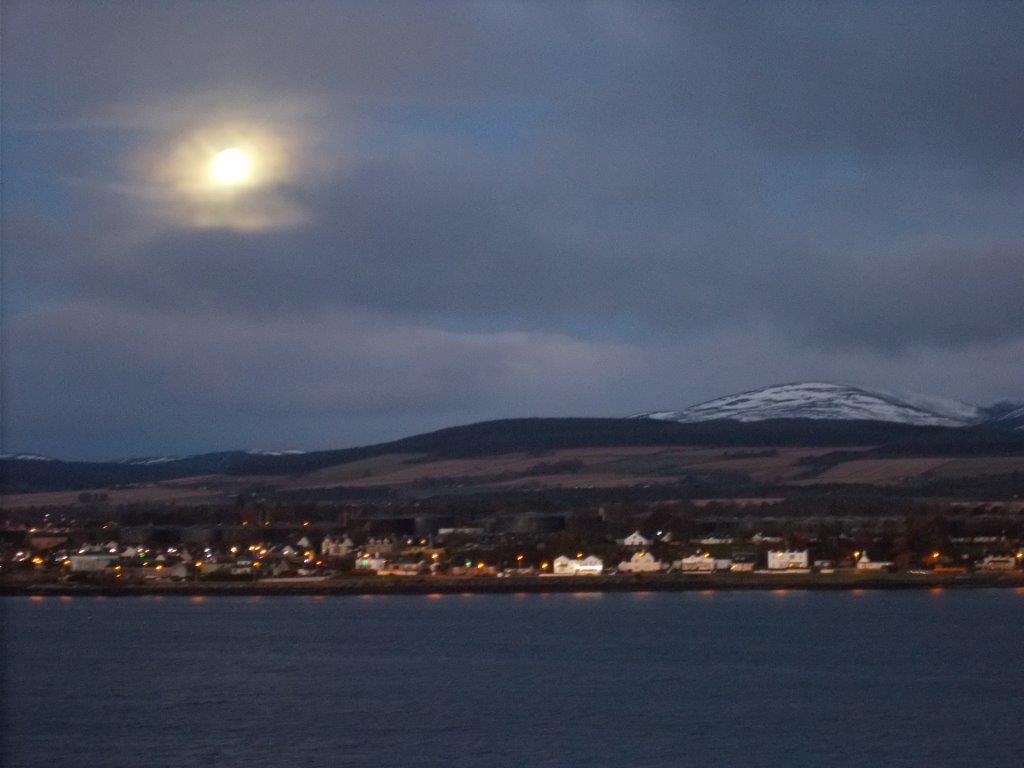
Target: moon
point(231, 167)
point(230, 175)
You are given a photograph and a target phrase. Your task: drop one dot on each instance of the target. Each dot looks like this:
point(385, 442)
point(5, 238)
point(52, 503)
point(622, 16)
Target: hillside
point(532, 438)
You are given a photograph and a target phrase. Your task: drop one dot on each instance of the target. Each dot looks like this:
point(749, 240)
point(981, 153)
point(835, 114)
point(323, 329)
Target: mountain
point(32, 474)
point(810, 414)
point(530, 436)
point(826, 401)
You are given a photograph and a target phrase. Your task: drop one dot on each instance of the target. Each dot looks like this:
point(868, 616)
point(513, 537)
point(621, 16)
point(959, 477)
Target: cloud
point(503, 208)
point(89, 374)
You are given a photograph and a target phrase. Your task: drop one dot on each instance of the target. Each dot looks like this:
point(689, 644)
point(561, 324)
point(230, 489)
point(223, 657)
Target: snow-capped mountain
point(821, 400)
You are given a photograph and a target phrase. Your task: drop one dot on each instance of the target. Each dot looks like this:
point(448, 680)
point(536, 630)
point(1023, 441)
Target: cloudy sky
point(479, 210)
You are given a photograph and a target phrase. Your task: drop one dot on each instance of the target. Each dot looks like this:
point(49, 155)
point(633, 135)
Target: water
point(721, 679)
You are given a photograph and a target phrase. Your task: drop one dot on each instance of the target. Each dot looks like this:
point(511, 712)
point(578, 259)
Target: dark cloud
point(506, 208)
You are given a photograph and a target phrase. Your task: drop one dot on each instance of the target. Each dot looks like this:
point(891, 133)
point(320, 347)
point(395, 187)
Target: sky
point(463, 211)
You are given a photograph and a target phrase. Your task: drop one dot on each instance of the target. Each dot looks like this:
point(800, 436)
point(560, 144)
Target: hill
point(534, 436)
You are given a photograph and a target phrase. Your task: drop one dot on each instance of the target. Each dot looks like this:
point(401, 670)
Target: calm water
point(722, 679)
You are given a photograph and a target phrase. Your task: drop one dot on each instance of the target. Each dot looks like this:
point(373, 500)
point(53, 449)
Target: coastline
point(433, 585)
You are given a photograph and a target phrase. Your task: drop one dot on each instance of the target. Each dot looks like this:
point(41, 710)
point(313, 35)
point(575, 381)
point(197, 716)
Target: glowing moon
point(231, 175)
point(231, 167)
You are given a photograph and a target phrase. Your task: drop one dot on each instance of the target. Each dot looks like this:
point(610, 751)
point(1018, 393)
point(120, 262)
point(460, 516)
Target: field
point(598, 467)
point(897, 471)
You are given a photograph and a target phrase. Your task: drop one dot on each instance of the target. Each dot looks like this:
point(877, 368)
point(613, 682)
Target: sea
point(707, 679)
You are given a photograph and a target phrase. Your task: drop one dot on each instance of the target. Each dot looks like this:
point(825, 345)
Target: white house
point(865, 563)
point(641, 562)
point(91, 563)
point(332, 547)
point(586, 566)
point(699, 563)
point(636, 539)
point(999, 563)
point(788, 560)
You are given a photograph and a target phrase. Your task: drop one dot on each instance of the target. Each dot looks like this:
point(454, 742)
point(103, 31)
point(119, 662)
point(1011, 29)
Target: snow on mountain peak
point(24, 457)
point(823, 400)
point(145, 461)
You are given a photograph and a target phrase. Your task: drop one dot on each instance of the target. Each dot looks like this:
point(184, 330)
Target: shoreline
point(432, 585)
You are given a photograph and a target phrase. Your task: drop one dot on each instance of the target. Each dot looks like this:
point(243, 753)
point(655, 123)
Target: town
point(623, 549)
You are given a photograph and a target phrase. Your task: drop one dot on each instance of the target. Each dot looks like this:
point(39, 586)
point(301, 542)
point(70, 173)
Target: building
point(585, 566)
point(641, 562)
point(160, 571)
point(336, 547)
point(998, 563)
point(865, 563)
point(788, 560)
point(91, 562)
point(698, 563)
point(636, 539)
